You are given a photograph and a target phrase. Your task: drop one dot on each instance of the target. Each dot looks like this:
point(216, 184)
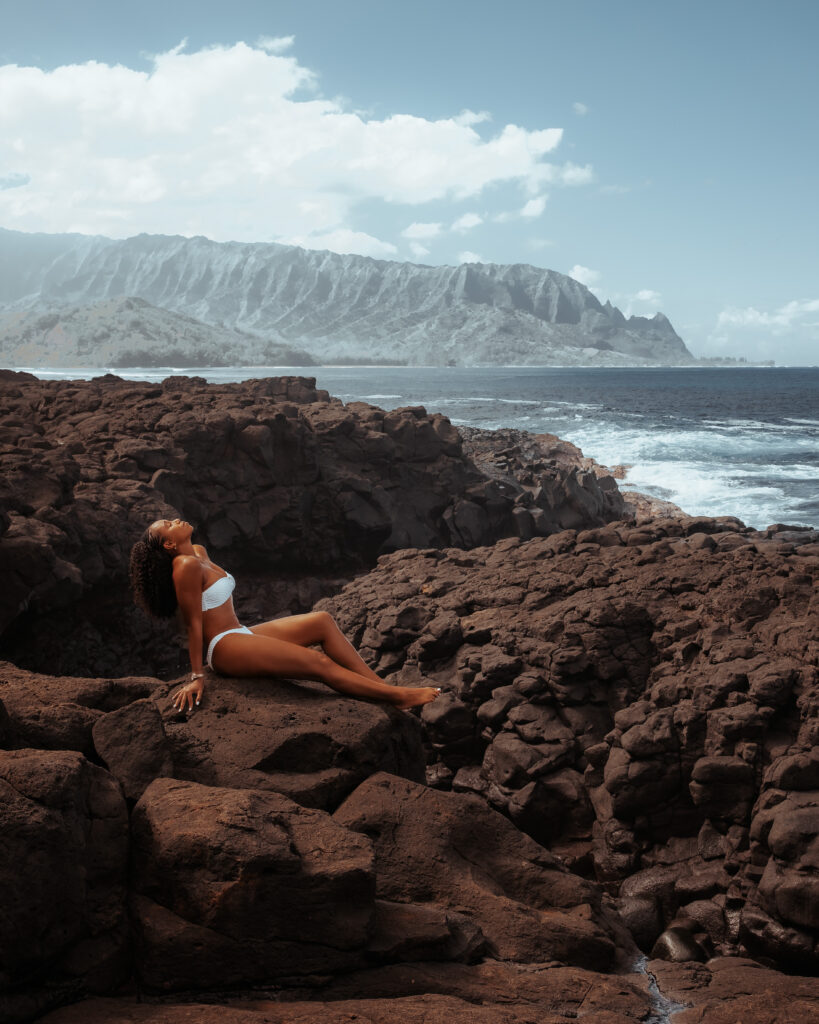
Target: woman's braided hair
point(151, 573)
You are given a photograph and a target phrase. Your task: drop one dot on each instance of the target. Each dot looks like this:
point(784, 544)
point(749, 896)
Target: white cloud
point(467, 221)
point(635, 302)
point(275, 44)
point(421, 230)
point(584, 275)
point(534, 208)
point(551, 174)
point(571, 174)
point(470, 117)
point(418, 250)
point(469, 257)
point(234, 142)
point(790, 315)
point(344, 240)
point(580, 109)
point(787, 335)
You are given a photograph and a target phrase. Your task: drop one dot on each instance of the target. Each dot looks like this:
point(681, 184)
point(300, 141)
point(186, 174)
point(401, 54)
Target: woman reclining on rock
point(167, 571)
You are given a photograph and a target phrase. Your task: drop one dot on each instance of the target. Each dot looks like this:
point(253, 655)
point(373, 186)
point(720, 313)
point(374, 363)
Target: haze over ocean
point(726, 441)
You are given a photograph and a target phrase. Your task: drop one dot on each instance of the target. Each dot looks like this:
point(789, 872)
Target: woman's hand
point(188, 695)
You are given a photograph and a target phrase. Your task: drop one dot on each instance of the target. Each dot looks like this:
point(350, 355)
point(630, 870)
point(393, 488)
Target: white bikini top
point(217, 593)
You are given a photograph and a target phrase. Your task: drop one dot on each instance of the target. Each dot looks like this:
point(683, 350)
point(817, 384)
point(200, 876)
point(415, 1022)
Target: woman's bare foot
point(413, 696)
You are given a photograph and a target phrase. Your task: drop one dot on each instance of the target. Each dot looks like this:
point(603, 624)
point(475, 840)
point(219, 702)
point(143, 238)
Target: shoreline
point(194, 370)
point(657, 422)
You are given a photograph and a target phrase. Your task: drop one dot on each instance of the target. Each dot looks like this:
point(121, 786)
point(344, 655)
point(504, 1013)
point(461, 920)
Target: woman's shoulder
point(187, 567)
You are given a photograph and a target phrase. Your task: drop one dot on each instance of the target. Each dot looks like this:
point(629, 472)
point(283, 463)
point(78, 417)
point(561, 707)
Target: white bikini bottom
point(218, 637)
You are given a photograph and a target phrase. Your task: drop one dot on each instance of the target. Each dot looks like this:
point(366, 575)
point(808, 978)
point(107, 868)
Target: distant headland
point(76, 300)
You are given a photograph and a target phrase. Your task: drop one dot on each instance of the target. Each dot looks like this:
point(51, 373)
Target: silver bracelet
point(197, 675)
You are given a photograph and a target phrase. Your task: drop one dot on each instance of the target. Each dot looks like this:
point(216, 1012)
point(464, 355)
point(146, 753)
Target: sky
point(664, 154)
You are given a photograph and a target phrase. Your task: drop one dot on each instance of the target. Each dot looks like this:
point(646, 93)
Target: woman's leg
point(240, 654)
point(317, 628)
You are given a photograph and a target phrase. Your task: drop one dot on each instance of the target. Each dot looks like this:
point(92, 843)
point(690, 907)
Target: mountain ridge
point(129, 331)
point(339, 306)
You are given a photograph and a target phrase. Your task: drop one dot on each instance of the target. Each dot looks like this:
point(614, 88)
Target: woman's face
point(172, 532)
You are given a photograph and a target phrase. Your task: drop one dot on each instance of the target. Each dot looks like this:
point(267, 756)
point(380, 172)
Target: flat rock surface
point(298, 738)
point(429, 992)
point(295, 737)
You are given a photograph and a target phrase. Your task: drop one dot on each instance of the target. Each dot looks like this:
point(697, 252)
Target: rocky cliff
point(642, 700)
point(340, 307)
point(622, 764)
point(283, 483)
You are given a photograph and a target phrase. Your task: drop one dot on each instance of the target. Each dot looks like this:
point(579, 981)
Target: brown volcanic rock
point(645, 694)
point(452, 850)
point(134, 746)
point(237, 886)
point(429, 993)
point(576, 488)
point(297, 738)
point(731, 989)
point(547, 990)
point(63, 852)
point(432, 1009)
point(60, 712)
point(278, 478)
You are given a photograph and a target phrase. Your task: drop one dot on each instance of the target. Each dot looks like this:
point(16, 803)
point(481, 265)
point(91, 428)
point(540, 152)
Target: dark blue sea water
point(725, 441)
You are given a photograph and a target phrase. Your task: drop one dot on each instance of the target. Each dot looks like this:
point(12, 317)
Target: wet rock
point(643, 919)
point(730, 989)
point(678, 945)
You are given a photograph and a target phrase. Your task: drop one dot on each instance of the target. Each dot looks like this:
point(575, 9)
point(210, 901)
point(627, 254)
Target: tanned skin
point(282, 647)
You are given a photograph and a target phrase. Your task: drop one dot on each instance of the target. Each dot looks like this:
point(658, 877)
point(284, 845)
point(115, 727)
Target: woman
point(167, 571)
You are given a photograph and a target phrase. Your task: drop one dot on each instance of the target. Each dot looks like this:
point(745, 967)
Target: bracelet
point(197, 675)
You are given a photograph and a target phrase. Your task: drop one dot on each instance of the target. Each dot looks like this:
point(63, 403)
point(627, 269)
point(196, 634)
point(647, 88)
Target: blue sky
point(663, 153)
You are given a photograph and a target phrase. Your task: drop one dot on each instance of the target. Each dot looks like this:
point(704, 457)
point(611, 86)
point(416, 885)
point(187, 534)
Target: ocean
point(716, 441)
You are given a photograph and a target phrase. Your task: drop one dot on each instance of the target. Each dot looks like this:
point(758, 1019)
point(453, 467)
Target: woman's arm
point(187, 581)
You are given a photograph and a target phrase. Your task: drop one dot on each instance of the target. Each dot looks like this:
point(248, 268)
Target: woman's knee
point(325, 623)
